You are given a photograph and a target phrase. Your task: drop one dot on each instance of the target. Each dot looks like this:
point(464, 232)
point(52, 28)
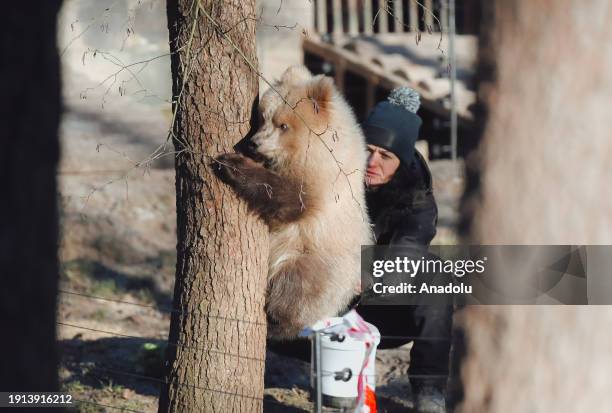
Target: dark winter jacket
point(404, 210)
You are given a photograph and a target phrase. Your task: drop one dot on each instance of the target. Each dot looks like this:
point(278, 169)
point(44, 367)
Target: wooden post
point(444, 16)
point(413, 15)
point(383, 16)
point(428, 14)
point(398, 16)
point(31, 109)
point(353, 17)
point(367, 17)
point(527, 146)
point(337, 16)
point(321, 6)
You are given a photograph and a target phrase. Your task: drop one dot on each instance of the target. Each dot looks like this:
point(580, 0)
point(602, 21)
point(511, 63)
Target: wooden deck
point(388, 61)
point(372, 46)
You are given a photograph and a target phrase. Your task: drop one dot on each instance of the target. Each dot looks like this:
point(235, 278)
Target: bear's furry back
point(315, 262)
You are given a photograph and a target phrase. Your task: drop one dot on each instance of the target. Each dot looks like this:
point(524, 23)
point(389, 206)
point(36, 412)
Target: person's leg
point(429, 327)
point(430, 354)
point(429, 358)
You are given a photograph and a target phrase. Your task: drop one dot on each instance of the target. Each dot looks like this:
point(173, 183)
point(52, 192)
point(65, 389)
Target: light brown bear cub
point(310, 193)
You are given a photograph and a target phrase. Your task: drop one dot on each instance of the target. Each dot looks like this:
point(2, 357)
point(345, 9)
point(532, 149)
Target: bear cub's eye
point(283, 127)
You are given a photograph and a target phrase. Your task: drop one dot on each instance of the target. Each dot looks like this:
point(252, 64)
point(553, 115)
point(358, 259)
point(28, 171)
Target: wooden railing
point(369, 17)
point(354, 17)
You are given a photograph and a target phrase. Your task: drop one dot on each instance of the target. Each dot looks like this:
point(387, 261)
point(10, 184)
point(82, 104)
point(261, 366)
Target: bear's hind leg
point(298, 296)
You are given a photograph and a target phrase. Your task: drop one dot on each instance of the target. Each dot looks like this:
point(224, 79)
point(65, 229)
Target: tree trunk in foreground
point(222, 251)
point(30, 110)
point(546, 80)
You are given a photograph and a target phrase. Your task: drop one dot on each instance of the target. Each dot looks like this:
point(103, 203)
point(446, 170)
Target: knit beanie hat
point(394, 124)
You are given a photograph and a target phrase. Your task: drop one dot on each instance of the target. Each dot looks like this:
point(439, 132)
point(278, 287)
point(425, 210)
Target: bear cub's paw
point(232, 167)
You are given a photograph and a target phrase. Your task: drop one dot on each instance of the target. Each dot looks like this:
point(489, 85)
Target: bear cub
point(310, 192)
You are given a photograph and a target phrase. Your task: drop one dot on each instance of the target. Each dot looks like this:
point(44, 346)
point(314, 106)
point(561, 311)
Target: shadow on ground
point(101, 280)
point(119, 362)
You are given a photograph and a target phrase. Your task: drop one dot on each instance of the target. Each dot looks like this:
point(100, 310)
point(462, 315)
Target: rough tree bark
point(222, 252)
point(545, 156)
point(30, 114)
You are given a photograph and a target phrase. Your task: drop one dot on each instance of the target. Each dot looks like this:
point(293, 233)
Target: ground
point(117, 268)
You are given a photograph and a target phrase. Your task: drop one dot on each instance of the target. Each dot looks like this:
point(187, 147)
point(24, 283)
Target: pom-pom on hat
point(394, 124)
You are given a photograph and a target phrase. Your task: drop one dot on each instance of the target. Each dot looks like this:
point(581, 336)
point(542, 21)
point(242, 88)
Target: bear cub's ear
point(296, 74)
point(321, 90)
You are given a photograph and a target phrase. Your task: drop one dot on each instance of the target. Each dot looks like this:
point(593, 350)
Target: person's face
point(382, 164)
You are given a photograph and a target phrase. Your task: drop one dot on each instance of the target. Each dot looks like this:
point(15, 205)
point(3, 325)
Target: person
point(403, 211)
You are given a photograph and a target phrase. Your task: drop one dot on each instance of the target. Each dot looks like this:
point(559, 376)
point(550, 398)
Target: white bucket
point(342, 360)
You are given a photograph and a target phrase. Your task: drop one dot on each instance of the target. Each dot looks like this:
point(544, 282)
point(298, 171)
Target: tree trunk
point(222, 251)
point(545, 156)
point(30, 109)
